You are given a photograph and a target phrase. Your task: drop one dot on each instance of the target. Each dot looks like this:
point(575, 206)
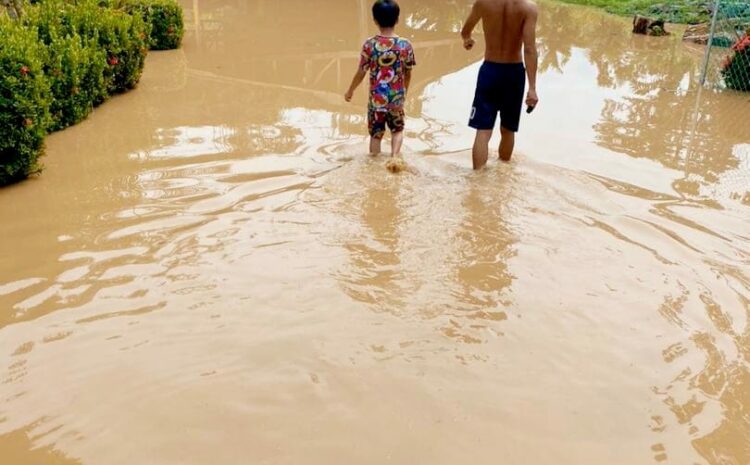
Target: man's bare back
point(503, 21)
point(510, 39)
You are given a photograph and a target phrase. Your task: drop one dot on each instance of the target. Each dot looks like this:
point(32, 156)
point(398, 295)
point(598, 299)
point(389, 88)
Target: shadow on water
point(19, 448)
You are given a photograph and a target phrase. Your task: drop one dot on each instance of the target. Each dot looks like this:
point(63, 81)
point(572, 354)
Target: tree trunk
point(648, 26)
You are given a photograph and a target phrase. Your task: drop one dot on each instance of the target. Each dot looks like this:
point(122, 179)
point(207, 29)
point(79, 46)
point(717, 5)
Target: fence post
point(710, 43)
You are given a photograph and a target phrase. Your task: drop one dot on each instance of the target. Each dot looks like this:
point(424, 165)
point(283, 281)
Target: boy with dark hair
point(388, 59)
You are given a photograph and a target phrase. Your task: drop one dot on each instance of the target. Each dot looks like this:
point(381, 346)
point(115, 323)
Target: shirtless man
point(509, 26)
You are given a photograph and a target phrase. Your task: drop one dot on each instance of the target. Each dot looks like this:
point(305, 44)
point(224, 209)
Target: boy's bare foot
point(396, 165)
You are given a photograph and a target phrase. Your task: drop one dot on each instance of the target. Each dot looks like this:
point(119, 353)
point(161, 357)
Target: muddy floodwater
point(212, 271)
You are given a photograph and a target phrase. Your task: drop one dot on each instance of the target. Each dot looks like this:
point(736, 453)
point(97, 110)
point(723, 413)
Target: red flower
point(170, 30)
point(28, 122)
point(24, 70)
point(113, 61)
point(742, 44)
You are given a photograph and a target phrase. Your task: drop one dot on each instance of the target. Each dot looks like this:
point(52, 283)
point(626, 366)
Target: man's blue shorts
point(500, 89)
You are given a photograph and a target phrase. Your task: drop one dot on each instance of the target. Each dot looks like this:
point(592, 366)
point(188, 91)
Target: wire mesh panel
point(727, 63)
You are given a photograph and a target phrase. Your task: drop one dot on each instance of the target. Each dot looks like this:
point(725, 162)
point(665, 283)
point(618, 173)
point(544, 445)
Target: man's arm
point(356, 81)
point(471, 22)
point(407, 79)
point(530, 54)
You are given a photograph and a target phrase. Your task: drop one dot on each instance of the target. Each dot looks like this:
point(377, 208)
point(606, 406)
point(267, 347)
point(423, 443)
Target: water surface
point(211, 270)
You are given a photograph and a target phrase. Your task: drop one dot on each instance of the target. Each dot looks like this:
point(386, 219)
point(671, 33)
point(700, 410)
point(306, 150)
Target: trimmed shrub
point(122, 36)
point(76, 74)
point(74, 65)
point(165, 19)
point(24, 101)
point(736, 68)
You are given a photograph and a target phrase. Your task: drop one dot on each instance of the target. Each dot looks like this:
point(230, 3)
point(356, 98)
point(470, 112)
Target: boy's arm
point(411, 62)
point(471, 22)
point(356, 81)
point(530, 54)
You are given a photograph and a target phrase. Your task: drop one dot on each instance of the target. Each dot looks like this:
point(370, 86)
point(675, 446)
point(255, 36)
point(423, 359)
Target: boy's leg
point(481, 150)
point(507, 143)
point(375, 144)
point(376, 122)
point(396, 123)
point(397, 140)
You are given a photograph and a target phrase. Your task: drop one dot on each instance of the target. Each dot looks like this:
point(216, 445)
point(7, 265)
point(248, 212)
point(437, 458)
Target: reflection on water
point(231, 279)
point(657, 111)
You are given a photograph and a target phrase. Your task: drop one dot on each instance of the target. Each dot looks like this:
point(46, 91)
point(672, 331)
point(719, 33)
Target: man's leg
point(481, 148)
point(397, 140)
point(511, 107)
point(375, 144)
point(507, 142)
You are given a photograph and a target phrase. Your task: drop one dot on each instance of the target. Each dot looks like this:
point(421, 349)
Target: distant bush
point(736, 68)
point(165, 20)
point(24, 101)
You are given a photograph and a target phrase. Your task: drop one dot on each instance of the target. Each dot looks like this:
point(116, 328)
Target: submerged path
point(212, 271)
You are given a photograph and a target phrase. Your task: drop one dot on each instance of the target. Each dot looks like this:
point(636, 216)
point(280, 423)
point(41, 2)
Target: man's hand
point(471, 22)
point(348, 96)
point(532, 100)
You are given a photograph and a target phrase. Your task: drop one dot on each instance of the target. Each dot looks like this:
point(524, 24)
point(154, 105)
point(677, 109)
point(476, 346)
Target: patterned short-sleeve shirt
point(387, 59)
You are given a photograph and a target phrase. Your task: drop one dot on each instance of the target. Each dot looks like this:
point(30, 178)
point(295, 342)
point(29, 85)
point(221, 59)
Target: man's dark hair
point(386, 13)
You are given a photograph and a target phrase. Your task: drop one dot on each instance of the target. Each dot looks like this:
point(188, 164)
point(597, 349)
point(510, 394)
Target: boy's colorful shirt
point(387, 59)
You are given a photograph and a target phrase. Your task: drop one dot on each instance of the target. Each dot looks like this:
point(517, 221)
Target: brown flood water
point(211, 271)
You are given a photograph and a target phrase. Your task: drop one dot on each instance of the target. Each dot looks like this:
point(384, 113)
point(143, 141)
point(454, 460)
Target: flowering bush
point(24, 101)
point(74, 65)
point(165, 20)
point(58, 61)
point(122, 37)
point(736, 68)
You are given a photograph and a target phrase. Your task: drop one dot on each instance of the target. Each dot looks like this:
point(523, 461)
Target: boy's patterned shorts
point(378, 120)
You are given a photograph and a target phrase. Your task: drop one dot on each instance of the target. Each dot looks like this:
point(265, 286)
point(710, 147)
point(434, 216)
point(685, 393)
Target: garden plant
point(60, 59)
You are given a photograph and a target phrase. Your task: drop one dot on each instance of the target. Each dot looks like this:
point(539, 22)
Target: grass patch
point(673, 11)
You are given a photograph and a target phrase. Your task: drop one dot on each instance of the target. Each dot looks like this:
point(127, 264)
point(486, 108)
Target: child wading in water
point(388, 59)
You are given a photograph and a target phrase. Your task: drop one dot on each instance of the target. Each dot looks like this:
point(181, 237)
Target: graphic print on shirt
point(387, 59)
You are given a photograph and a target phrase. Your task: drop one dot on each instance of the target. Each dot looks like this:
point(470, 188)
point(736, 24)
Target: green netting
point(728, 60)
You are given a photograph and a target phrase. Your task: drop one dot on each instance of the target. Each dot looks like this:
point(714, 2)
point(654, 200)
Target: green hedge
point(74, 65)
point(24, 101)
point(76, 72)
point(64, 57)
point(123, 38)
point(165, 19)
